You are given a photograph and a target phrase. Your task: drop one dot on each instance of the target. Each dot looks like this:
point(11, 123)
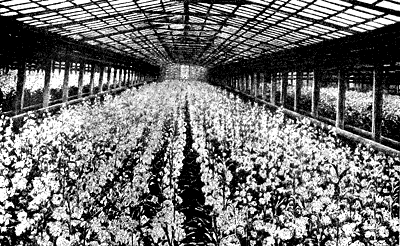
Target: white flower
point(357, 243)
point(62, 241)
point(326, 220)
point(395, 224)
point(369, 234)
point(316, 206)
point(285, 234)
point(21, 227)
point(348, 229)
point(306, 176)
point(269, 241)
point(383, 231)
point(22, 216)
point(3, 181)
point(57, 199)
point(342, 217)
point(19, 164)
point(3, 194)
point(19, 182)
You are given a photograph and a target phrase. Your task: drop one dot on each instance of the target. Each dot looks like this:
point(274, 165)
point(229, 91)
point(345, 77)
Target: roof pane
point(389, 5)
point(329, 5)
point(14, 2)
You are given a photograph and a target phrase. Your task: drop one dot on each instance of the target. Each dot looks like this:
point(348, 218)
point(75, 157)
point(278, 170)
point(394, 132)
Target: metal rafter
point(168, 56)
point(221, 46)
point(212, 31)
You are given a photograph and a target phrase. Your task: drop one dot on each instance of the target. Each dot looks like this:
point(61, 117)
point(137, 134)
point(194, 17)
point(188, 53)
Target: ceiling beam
point(128, 12)
point(374, 7)
point(118, 33)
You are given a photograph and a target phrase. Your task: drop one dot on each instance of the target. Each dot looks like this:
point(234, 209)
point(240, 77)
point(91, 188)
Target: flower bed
point(272, 181)
point(83, 177)
point(358, 110)
point(119, 173)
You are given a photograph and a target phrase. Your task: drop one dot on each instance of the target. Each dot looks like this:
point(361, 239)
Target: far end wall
point(180, 71)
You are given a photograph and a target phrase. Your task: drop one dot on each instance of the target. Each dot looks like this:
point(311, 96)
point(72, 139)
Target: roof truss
point(204, 32)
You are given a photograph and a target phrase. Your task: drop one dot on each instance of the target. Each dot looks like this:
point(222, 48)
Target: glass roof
point(203, 32)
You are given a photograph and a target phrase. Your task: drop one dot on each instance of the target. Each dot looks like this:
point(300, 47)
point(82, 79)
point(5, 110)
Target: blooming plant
point(290, 183)
point(109, 173)
point(358, 111)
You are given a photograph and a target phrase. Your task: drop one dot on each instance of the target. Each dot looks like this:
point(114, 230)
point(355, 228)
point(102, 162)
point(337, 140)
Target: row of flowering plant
point(288, 182)
point(358, 111)
point(82, 177)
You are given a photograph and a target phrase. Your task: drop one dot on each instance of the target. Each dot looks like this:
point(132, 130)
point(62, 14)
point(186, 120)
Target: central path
point(198, 221)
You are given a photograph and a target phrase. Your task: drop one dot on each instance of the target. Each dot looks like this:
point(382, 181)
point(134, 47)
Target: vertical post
point(256, 84)
point(240, 82)
point(120, 77)
point(115, 78)
point(250, 81)
point(21, 78)
point(130, 77)
point(261, 84)
point(284, 85)
point(377, 103)
point(124, 80)
point(92, 71)
point(273, 89)
point(315, 92)
point(80, 78)
point(237, 82)
point(65, 87)
point(47, 77)
point(243, 89)
point(101, 78)
point(340, 107)
point(267, 79)
point(246, 83)
point(252, 84)
point(108, 78)
point(297, 90)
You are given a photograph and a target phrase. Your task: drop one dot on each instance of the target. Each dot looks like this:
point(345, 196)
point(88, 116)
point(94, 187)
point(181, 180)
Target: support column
point(284, 85)
point(65, 88)
point(266, 80)
point(124, 80)
point(101, 78)
point(297, 90)
point(47, 78)
point(377, 103)
point(341, 100)
point(108, 78)
point(130, 78)
point(92, 71)
point(273, 89)
point(80, 78)
point(245, 83)
point(19, 96)
point(315, 92)
point(261, 85)
point(237, 82)
point(115, 78)
point(120, 77)
point(252, 84)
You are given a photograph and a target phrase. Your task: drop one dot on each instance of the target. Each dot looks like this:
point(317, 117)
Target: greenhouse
point(200, 122)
